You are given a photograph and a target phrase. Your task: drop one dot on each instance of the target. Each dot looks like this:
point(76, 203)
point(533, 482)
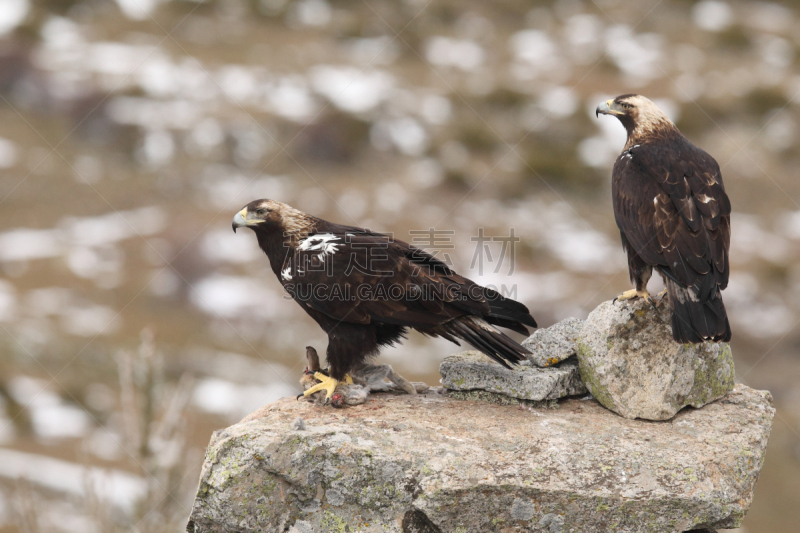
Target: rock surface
point(430, 463)
point(554, 344)
point(474, 371)
point(631, 364)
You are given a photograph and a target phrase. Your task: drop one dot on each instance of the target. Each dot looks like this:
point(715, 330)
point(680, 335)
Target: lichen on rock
point(631, 364)
point(428, 463)
point(554, 344)
point(500, 399)
point(468, 371)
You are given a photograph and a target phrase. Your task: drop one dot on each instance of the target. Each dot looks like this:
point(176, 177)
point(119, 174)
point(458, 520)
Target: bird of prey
point(366, 290)
point(673, 215)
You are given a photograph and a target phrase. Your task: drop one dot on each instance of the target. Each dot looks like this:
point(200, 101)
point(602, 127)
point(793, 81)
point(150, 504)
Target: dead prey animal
point(367, 378)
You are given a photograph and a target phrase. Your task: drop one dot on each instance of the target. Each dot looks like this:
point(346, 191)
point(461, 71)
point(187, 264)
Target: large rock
point(474, 371)
point(631, 364)
point(430, 463)
point(552, 345)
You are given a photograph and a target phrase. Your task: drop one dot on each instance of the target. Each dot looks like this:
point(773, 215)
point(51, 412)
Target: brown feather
point(674, 215)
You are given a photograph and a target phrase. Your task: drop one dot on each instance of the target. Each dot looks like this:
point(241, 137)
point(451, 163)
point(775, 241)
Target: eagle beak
point(606, 109)
point(240, 219)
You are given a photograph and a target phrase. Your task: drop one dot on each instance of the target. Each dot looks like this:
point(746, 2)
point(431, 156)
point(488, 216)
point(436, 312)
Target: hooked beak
point(606, 108)
point(240, 219)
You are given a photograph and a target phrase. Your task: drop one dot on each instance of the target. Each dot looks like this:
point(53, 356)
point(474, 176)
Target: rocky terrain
point(431, 463)
point(510, 450)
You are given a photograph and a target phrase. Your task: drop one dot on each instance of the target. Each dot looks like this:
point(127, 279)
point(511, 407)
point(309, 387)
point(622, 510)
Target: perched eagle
point(366, 289)
point(673, 214)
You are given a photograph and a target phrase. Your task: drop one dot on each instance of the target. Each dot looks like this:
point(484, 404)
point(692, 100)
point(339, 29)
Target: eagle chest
point(633, 186)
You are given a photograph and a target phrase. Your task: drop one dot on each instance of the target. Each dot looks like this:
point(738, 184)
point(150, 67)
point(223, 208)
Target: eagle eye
point(625, 105)
point(261, 211)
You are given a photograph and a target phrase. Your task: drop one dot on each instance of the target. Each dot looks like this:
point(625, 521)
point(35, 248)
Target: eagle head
point(637, 113)
point(262, 213)
point(270, 215)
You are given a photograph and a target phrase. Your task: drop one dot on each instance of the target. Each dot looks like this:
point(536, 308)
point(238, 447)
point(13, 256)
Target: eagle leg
point(327, 384)
point(661, 295)
point(633, 293)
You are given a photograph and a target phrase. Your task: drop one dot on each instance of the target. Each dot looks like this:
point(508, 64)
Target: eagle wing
point(361, 277)
point(671, 206)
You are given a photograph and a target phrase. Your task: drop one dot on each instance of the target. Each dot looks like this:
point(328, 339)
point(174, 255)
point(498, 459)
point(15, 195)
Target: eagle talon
point(328, 384)
point(633, 294)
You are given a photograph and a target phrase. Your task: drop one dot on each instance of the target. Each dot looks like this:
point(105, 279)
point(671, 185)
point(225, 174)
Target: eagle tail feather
point(507, 323)
point(487, 339)
point(509, 311)
point(695, 319)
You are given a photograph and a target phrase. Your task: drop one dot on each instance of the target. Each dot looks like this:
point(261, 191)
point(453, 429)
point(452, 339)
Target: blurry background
point(133, 322)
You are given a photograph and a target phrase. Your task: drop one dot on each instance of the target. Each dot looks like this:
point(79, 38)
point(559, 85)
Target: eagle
point(673, 215)
point(366, 290)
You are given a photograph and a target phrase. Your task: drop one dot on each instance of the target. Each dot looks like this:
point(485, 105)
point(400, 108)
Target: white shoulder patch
point(323, 243)
point(627, 153)
point(286, 273)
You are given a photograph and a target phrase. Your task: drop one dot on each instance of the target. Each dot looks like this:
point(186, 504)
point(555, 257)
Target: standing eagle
point(366, 289)
point(673, 214)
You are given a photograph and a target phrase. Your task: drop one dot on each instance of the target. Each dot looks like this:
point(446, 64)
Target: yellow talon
point(633, 293)
point(326, 383)
point(661, 294)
